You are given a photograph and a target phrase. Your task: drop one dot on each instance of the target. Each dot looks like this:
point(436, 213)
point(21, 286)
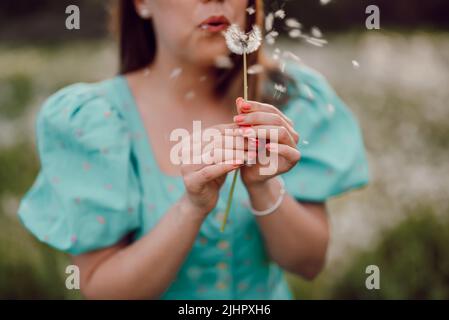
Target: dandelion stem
point(236, 173)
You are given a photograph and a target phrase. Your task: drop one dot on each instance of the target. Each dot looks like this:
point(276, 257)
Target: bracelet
point(276, 205)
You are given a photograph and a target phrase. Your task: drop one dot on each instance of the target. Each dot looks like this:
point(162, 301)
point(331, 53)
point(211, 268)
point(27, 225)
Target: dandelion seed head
point(239, 42)
point(355, 64)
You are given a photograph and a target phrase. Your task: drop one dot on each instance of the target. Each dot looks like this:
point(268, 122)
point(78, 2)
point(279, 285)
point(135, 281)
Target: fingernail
point(268, 146)
point(239, 101)
point(239, 118)
point(245, 107)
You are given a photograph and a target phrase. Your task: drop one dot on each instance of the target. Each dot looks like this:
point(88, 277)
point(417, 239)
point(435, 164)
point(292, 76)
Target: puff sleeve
point(333, 154)
point(86, 194)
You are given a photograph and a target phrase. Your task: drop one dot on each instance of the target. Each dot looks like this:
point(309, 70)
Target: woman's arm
point(296, 235)
point(145, 268)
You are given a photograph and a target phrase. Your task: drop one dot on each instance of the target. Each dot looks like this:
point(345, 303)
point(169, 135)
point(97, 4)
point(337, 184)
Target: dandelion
point(241, 43)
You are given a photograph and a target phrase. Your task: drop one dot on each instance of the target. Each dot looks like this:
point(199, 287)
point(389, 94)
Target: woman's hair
point(137, 49)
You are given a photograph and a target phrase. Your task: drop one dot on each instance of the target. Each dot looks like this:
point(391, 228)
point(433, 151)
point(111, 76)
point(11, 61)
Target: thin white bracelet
point(276, 205)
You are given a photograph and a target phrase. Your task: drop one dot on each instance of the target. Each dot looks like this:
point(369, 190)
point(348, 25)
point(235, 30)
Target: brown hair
point(137, 48)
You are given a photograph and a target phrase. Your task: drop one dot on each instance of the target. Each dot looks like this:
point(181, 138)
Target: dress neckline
point(137, 119)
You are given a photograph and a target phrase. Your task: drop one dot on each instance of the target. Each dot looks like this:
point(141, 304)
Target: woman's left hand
point(262, 123)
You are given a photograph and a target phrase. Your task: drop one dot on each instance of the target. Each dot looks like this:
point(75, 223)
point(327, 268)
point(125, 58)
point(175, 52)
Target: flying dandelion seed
point(175, 73)
point(305, 142)
point(309, 92)
point(269, 21)
point(325, 2)
point(316, 32)
point(293, 23)
point(294, 33)
point(292, 56)
point(223, 62)
point(355, 64)
point(276, 54)
point(331, 109)
point(316, 42)
point(279, 89)
point(271, 37)
point(256, 69)
point(251, 11)
point(283, 66)
point(280, 14)
point(190, 95)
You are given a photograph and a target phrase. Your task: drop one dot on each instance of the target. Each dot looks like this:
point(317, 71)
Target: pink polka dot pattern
point(101, 220)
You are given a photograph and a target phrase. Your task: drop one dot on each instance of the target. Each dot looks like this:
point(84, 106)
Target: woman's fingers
point(265, 118)
point(266, 132)
point(292, 155)
point(253, 106)
point(198, 179)
point(216, 156)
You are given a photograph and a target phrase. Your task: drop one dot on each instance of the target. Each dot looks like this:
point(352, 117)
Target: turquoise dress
point(99, 181)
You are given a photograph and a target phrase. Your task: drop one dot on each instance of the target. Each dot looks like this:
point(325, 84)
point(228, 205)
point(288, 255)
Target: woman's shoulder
point(308, 82)
point(82, 109)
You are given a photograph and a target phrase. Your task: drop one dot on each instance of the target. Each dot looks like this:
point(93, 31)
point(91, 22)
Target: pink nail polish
point(239, 118)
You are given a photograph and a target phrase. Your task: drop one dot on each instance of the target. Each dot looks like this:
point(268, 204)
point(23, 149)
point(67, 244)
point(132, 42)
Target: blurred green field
point(400, 96)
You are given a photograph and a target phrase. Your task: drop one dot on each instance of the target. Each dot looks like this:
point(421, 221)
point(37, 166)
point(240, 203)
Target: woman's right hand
point(203, 181)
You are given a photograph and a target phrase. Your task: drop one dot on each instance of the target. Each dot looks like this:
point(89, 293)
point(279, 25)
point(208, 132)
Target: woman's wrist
point(191, 211)
point(264, 194)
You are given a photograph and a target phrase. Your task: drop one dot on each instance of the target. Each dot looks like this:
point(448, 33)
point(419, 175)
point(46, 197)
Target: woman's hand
point(265, 123)
point(203, 180)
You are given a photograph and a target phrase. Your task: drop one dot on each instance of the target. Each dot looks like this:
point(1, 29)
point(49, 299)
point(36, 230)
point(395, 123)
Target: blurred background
point(395, 80)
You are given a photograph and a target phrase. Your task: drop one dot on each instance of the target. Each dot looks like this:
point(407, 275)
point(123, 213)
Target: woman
point(139, 226)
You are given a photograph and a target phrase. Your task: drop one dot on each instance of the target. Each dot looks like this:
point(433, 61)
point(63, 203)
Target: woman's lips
point(215, 24)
